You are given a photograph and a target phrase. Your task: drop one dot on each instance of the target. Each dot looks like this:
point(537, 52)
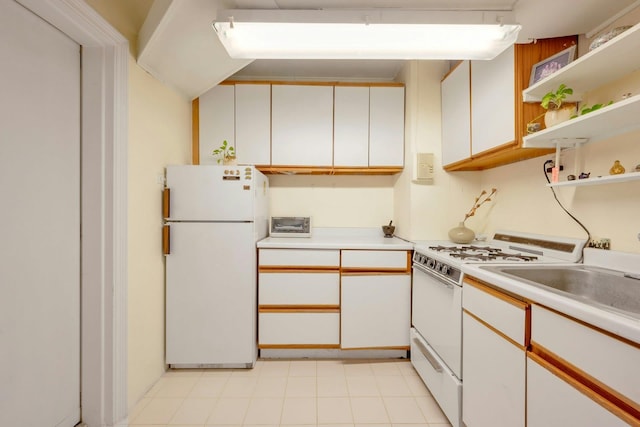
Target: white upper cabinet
point(492, 102)
point(456, 114)
point(253, 123)
point(351, 126)
point(302, 125)
point(216, 121)
point(386, 126)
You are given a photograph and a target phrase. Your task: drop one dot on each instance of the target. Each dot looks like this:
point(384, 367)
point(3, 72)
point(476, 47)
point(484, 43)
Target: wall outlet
point(599, 243)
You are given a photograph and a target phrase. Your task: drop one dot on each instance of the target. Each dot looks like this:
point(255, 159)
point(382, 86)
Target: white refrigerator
point(214, 215)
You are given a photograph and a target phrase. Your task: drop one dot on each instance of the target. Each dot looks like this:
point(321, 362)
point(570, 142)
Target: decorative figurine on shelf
point(571, 177)
point(617, 168)
point(584, 175)
point(638, 167)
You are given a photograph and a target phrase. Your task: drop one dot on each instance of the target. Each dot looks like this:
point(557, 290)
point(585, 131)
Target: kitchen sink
point(608, 289)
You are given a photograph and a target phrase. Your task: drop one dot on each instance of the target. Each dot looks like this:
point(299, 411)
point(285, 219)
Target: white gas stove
point(436, 335)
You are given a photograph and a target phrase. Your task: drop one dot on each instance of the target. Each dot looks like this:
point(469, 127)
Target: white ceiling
point(178, 46)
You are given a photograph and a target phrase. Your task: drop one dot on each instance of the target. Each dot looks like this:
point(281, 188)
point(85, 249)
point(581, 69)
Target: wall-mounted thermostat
point(423, 168)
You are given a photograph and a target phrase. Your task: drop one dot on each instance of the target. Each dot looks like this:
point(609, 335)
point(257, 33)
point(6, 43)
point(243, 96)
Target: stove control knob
point(431, 263)
point(444, 269)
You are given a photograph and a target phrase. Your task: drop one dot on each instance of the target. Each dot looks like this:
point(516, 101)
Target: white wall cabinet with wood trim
point(302, 125)
point(253, 123)
point(216, 122)
point(351, 126)
point(456, 114)
point(386, 126)
point(375, 299)
point(493, 358)
point(298, 298)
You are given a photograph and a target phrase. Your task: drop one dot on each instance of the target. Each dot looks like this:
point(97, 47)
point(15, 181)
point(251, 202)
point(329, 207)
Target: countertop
point(339, 238)
point(617, 323)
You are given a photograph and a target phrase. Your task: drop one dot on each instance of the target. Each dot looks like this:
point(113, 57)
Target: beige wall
point(159, 134)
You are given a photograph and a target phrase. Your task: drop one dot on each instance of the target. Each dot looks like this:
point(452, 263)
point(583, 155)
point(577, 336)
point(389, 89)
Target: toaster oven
point(290, 226)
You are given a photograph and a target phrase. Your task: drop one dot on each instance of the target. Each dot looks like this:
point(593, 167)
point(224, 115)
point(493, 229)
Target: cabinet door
point(494, 378)
point(456, 115)
point(386, 126)
point(217, 121)
point(302, 125)
point(253, 124)
point(375, 310)
point(351, 126)
point(493, 102)
point(552, 402)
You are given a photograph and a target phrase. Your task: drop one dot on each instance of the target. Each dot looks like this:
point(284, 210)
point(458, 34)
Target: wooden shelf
point(609, 179)
point(608, 62)
point(615, 119)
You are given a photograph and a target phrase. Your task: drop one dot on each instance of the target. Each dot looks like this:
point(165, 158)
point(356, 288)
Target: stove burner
point(481, 253)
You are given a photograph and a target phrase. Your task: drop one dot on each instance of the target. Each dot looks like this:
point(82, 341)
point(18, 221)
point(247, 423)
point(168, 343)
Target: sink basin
point(607, 289)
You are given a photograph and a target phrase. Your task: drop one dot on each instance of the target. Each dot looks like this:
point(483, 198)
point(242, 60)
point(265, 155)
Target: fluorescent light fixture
point(364, 34)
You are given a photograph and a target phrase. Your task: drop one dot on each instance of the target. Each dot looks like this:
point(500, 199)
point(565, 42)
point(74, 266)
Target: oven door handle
point(433, 276)
point(427, 355)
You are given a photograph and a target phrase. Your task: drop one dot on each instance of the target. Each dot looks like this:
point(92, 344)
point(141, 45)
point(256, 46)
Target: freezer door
point(212, 193)
point(211, 298)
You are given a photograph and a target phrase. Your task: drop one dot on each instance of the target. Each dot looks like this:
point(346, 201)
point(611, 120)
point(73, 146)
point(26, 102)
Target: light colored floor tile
point(208, 387)
point(277, 368)
point(416, 425)
point(301, 387)
point(135, 411)
point(335, 425)
point(239, 387)
point(264, 410)
point(333, 410)
point(330, 368)
point(335, 386)
point(302, 368)
point(430, 409)
point(221, 373)
point(362, 386)
point(193, 411)
point(416, 385)
point(229, 411)
point(385, 367)
point(270, 387)
point(407, 369)
point(176, 386)
point(299, 411)
point(393, 385)
point(369, 410)
point(357, 369)
point(154, 389)
point(158, 411)
point(375, 425)
point(403, 410)
point(248, 372)
point(183, 373)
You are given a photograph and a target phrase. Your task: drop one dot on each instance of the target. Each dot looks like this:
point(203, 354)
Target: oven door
point(437, 316)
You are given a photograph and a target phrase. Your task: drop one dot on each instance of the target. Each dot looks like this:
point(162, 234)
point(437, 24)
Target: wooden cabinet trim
point(403, 348)
point(297, 346)
point(298, 269)
point(485, 287)
point(496, 331)
point(607, 398)
point(299, 308)
point(166, 242)
point(328, 170)
point(195, 131)
point(313, 83)
point(366, 271)
point(166, 202)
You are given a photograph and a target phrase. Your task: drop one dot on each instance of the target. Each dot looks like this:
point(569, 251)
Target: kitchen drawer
point(299, 258)
point(505, 314)
point(321, 288)
point(298, 328)
point(607, 359)
point(376, 260)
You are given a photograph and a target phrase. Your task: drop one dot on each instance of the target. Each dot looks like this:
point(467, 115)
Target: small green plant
point(588, 109)
point(553, 100)
point(225, 151)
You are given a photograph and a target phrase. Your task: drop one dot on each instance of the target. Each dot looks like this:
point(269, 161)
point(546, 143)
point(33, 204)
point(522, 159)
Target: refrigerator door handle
point(166, 234)
point(166, 199)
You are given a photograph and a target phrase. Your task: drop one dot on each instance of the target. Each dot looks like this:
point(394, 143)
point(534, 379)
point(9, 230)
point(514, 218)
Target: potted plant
point(553, 103)
point(225, 153)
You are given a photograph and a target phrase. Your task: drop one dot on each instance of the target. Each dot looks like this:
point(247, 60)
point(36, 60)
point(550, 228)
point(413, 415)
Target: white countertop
point(615, 322)
point(339, 238)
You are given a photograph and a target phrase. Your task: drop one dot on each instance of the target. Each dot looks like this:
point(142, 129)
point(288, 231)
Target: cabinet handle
point(166, 199)
point(166, 234)
point(427, 355)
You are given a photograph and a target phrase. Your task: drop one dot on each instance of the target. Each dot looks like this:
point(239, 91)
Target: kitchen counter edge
point(370, 243)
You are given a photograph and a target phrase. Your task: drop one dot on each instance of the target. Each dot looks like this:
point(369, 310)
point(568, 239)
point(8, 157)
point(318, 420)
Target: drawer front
point(299, 328)
point(507, 315)
point(609, 360)
point(299, 258)
point(299, 289)
point(375, 260)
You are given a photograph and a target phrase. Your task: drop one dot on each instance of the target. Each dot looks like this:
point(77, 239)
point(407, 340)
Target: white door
point(217, 122)
point(39, 222)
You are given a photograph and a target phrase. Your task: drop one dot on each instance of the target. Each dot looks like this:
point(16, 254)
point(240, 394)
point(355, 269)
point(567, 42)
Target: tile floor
point(323, 393)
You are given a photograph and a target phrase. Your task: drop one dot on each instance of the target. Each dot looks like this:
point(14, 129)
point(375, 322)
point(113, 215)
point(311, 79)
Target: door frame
point(103, 346)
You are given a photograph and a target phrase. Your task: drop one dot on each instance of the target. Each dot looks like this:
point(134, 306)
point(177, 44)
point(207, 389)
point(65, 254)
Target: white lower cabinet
point(376, 310)
point(552, 402)
point(493, 358)
point(282, 328)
